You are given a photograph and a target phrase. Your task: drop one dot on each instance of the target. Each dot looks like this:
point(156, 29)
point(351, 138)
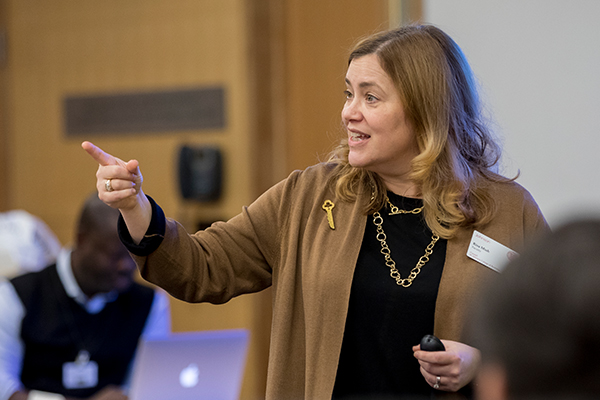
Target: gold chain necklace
point(395, 210)
point(385, 250)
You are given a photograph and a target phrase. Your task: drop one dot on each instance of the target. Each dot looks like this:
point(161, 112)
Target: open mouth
point(357, 136)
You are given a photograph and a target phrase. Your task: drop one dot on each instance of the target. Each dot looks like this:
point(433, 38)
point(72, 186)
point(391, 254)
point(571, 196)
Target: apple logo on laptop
point(188, 377)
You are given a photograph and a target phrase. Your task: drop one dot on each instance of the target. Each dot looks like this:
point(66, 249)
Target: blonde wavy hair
point(458, 153)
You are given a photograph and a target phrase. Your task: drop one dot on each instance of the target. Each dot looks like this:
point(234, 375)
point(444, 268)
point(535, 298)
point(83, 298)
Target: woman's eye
point(370, 98)
point(347, 94)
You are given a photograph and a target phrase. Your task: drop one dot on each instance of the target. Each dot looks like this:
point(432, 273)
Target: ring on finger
point(437, 382)
point(108, 186)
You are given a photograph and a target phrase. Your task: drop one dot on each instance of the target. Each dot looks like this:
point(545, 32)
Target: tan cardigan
point(283, 239)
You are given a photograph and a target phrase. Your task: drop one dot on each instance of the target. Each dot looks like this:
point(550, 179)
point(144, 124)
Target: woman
point(347, 275)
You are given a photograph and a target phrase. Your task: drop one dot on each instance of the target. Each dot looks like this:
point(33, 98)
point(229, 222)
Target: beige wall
point(281, 62)
point(63, 47)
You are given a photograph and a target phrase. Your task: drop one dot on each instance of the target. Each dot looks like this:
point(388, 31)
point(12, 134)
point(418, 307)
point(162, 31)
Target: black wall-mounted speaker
point(200, 172)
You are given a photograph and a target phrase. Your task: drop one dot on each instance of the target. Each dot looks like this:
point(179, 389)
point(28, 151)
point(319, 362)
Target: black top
point(384, 319)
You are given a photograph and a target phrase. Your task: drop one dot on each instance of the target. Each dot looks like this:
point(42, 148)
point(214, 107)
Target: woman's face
point(380, 137)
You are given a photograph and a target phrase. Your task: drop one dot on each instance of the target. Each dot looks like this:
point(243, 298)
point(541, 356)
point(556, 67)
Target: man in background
point(71, 330)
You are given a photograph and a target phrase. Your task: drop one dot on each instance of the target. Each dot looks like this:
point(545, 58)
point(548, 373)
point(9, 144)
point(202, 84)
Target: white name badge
point(80, 374)
point(489, 252)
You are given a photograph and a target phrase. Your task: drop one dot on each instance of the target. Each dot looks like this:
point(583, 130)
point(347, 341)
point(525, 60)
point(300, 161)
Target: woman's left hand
point(455, 367)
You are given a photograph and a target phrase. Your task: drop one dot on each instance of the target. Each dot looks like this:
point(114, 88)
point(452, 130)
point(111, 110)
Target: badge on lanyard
point(81, 374)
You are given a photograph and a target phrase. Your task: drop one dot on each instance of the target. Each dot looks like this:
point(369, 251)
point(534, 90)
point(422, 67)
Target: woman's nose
point(350, 111)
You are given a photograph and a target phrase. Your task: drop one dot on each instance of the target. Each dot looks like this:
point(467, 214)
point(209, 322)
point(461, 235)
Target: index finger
point(98, 154)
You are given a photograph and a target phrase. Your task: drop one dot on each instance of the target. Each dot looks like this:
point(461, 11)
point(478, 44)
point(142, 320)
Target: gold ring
point(437, 382)
point(108, 186)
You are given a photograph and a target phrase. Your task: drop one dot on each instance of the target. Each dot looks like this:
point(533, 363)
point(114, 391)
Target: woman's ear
point(491, 383)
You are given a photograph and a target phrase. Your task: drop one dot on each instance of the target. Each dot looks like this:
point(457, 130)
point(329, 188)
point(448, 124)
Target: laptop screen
point(191, 366)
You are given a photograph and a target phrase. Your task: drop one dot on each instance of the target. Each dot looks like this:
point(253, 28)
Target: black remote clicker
point(431, 343)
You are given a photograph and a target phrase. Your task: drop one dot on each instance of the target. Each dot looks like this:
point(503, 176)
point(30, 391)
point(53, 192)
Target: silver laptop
point(191, 366)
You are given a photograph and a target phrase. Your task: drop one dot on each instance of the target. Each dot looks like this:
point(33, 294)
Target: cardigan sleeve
point(534, 221)
point(228, 258)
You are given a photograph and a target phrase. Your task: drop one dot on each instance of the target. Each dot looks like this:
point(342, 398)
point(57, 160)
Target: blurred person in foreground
point(367, 252)
point(538, 323)
point(71, 330)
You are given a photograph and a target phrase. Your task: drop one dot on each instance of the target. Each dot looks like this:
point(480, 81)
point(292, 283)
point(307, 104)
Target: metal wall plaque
point(160, 111)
